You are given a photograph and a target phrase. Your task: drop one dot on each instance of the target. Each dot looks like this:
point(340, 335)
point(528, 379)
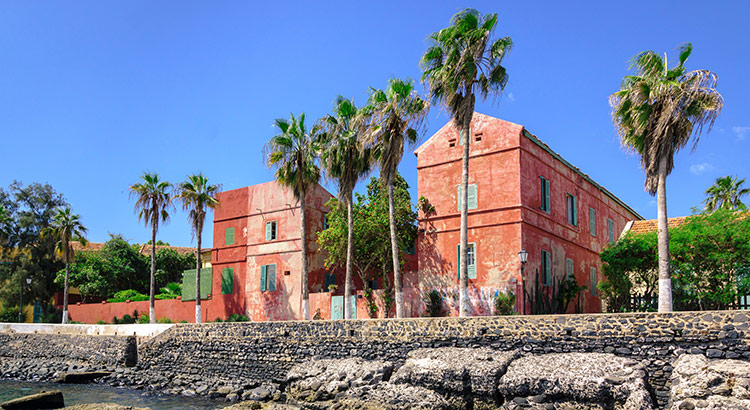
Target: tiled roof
point(90, 246)
point(650, 225)
point(182, 250)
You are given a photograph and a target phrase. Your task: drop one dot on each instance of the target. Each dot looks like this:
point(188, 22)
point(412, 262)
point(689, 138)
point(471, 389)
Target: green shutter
point(592, 221)
point(458, 261)
point(593, 281)
point(611, 228)
point(263, 278)
point(546, 268)
point(271, 277)
point(547, 203)
point(227, 281)
point(268, 231)
point(569, 268)
point(575, 211)
point(473, 196)
point(229, 236)
point(188, 284)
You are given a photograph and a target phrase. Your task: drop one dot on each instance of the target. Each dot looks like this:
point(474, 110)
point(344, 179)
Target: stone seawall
point(237, 354)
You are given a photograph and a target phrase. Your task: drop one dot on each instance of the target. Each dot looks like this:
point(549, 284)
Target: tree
point(197, 195)
point(5, 222)
point(171, 265)
point(393, 117)
point(66, 227)
point(294, 153)
point(726, 193)
point(655, 113)
point(152, 204)
point(371, 255)
point(345, 159)
point(462, 62)
point(630, 263)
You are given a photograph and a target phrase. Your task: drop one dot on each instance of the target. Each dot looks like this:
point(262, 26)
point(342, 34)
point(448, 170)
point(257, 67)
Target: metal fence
point(651, 304)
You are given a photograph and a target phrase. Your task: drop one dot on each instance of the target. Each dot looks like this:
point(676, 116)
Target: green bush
point(101, 322)
point(171, 291)
point(10, 315)
point(52, 317)
point(143, 319)
point(237, 318)
point(434, 304)
point(504, 303)
point(128, 294)
point(164, 320)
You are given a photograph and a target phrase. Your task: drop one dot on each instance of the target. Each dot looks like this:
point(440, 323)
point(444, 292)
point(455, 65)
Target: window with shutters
point(472, 196)
point(571, 209)
point(592, 221)
point(545, 195)
point(570, 268)
point(227, 281)
point(471, 255)
point(268, 278)
point(229, 236)
point(593, 281)
point(611, 230)
point(546, 268)
point(271, 231)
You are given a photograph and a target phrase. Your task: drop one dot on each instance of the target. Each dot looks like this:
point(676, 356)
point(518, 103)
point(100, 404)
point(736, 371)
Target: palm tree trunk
point(463, 298)
point(65, 289)
point(397, 283)
point(151, 310)
point(665, 281)
point(303, 282)
point(349, 259)
point(198, 279)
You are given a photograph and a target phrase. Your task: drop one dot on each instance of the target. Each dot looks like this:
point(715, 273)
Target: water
point(94, 393)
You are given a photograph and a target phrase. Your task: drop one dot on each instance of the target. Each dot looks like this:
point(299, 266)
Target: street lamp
point(20, 300)
point(523, 256)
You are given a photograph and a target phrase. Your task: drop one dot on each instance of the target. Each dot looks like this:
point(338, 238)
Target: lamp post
point(20, 301)
point(523, 256)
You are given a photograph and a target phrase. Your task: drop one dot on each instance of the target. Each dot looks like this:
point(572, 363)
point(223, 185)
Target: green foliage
point(629, 267)
point(170, 265)
point(10, 314)
point(158, 243)
point(504, 303)
point(143, 319)
point(53, 316)
point(372, 307)
point(726, 193)
point(171, 291)
point(433, 302)
point(234, 317)
point(128, 294)
point(164, 320)
point(101, 322)
point(553, 299)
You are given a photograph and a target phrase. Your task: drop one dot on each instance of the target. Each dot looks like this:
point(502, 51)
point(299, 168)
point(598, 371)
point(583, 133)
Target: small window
point(546, 268)
point(268, 278)
point(271, 231)
point(478, 136)
point(452, 143)
point(592, 221)
point(229, 236)
point(571, 209)
point(593, 281)
point(471, 255)
point(373, 284)
point(325, 222)
point(570, 269)
point(472, 196)
point(611, 230)
point(545, 195)
point(330, 279)
point(227, 281)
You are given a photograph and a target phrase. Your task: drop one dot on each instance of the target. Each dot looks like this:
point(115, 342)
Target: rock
point(719, 383)
point(264, 392)
point(456, 372)
point(188, 393)
point(81, 377)
point(390, 396)
point(201, 389)
point(224, 390)
point(232, 397)
point(103, 406)
point(578, 377)
point(43, 400)
point(319, 380)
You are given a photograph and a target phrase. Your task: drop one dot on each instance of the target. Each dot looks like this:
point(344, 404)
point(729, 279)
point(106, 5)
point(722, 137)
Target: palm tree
point(726, 193)
point(347, 161)
point(394, 115)
point(294, 154)
point(66, 227)
point(196, 195)
point(152, 204)
point(462, 62)
point(655, 113)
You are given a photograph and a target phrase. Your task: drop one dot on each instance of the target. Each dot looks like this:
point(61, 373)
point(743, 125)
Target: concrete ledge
point(141, 330)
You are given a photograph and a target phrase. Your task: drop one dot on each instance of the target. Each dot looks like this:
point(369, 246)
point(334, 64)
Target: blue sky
point(94, 93)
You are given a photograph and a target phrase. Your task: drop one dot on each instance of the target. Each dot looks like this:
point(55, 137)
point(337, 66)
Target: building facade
point(522, 195)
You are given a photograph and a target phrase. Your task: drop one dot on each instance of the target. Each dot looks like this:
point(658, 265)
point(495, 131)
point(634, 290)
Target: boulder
point(586, 379)
point(319, 380)
point(698, 382)
point(104, 406)
point(390, 396)
point(458, 373)
point(80, 377)
point(43, 400)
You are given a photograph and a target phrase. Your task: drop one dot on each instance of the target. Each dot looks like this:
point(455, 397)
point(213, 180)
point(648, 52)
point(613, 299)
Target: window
point(611, 230)
point(592, 221)
point(330, 279)
point(546, 268)
point(545, 195)
point(229, 236)
point(471, 255)
point(325, 222)
point(227, 281)
point(268, 278)
point(571, 209)
point(271, 231)
point(593, 281)
point(373, 283)
point(472, 196)
point(570, 269)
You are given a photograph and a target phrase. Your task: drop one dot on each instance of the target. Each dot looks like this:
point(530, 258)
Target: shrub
point(52, 317)
point(504, 303)
point(434, 304)
point(101, 322)
point(143, 319)
point(164, 320)
point(126, 319)
point(171, 291)
point(128, 294)
point(234, 317)
point(10, 315)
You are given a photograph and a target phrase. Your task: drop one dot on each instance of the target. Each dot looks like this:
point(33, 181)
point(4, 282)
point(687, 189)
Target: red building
point(522, 195)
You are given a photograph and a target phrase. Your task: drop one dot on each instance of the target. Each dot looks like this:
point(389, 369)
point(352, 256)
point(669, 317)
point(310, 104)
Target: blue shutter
point(575, 211)
point(458, 261)
point(263, 270)
point(611, 228)
point(592, 221)
point(271, 273)
point(473, 196)
point(459, 198)
point(593, 281)
point(268, 231)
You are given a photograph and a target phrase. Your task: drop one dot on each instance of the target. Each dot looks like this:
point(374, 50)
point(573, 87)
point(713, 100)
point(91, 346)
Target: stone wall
point(245, 354)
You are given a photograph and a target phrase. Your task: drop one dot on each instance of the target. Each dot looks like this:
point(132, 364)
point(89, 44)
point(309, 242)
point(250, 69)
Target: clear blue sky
point(94, 93)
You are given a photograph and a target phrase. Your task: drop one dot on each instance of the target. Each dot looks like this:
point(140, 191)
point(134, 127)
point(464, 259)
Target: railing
point(651, 303)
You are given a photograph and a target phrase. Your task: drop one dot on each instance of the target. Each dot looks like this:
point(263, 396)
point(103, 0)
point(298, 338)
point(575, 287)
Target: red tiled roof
point(182, 250)
point(650, 225)
point(90, 246)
